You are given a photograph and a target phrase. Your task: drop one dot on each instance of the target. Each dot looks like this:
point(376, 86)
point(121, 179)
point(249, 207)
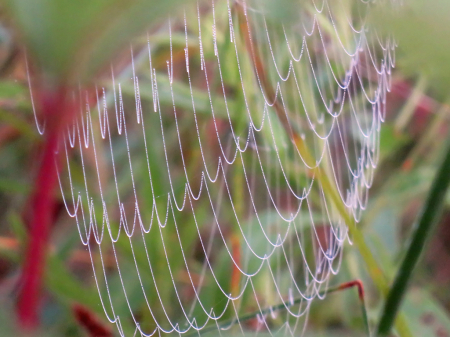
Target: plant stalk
point(284, 305)
point(42, 207)
point(427, 222)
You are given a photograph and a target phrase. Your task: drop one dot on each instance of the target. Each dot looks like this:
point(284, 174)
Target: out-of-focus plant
point(67, 42)
point(70, 41)
point(422, 30)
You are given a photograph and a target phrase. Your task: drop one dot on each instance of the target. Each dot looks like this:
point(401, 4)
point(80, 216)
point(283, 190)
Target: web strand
point(187, 175)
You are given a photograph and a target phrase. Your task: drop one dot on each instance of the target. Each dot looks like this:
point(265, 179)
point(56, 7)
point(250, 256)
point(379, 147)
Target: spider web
point(195, 180)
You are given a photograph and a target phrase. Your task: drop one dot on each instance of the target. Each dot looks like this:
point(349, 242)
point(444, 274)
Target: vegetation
point(394, 230)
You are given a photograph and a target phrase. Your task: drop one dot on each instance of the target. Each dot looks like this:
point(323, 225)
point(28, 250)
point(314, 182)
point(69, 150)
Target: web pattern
point(215, 171)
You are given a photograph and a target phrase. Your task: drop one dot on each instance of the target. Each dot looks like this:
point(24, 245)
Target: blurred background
point(411, 145)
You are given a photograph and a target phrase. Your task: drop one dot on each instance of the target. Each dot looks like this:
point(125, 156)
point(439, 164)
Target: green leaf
point(70, 40)
point(421, 29)
point(64, 285)
point(426, 316)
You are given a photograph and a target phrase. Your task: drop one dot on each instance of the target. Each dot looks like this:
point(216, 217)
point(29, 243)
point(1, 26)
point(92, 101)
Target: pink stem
point(42, 204)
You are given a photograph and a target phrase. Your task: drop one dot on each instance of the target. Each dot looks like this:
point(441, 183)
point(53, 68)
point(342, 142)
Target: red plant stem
point(90, 322)
point(56, 113)
point(351, 284)
point(236, 273)
point(282, 306)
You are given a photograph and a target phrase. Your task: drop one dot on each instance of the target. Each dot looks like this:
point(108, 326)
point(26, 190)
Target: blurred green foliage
point(421, 29)
point(74, 39)
point(71, 40)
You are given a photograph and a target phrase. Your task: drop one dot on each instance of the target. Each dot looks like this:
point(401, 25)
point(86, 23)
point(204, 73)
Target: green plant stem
point(428, 220)
point(284, 305)
point(372, 266)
